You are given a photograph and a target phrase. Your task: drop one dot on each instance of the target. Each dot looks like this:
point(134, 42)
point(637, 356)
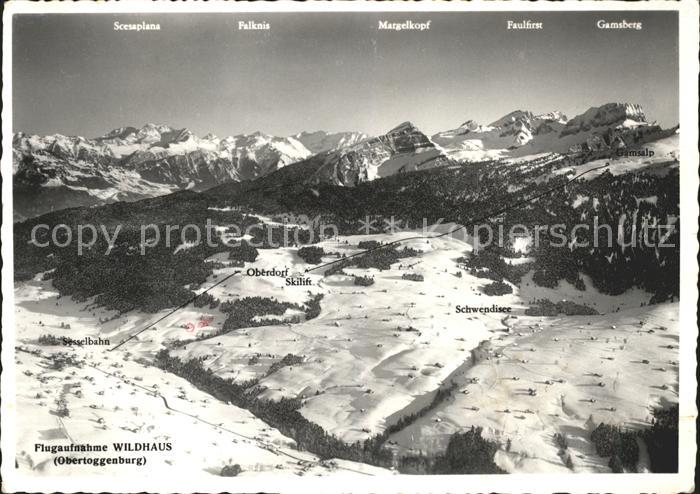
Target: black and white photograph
point(379, 248)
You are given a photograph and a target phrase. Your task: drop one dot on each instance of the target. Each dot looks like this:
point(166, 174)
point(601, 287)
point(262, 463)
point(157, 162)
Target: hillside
point(393, 370)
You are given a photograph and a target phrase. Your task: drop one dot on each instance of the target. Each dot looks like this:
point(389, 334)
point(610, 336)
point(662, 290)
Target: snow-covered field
point(373, 355)
point(583, 370)
point(113, 397)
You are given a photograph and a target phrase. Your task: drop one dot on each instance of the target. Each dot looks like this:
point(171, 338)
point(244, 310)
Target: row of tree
point(621, 446)
point(466, 453)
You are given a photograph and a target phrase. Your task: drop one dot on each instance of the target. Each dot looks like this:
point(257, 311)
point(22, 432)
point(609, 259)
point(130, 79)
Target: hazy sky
point(76, 75)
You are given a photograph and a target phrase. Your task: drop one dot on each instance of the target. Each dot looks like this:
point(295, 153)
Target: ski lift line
point(463, 227)
point(181, 306)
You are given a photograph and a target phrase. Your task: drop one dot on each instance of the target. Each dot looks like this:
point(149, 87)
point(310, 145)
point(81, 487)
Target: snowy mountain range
point(56, 171)
point(522, 133)
point(402, 149)
point(320, 141)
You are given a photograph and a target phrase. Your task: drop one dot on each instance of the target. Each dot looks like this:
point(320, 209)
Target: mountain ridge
point(130, 163)
point(523, 132)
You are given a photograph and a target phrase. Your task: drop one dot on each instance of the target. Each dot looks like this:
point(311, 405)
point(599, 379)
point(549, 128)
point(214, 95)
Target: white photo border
point(683, 481)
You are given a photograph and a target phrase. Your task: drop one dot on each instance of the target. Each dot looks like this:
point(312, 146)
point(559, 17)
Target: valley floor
point(374, 354)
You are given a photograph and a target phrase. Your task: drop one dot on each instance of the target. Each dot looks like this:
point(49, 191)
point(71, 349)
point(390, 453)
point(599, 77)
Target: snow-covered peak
point(607, 115)
point(473, 126)
point(147, 134)
point(119, 133)
point(254, 138)
point(321, 141)
point(403, 149)
point(552, 116)
point(511, 118)
point(152, 132)
point(155, 128)
point(403, 128)
point(261, 148)
point(522, 131)
point(470, 125)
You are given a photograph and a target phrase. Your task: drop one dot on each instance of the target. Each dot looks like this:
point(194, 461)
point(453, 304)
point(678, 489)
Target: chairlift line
point(181, 306)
